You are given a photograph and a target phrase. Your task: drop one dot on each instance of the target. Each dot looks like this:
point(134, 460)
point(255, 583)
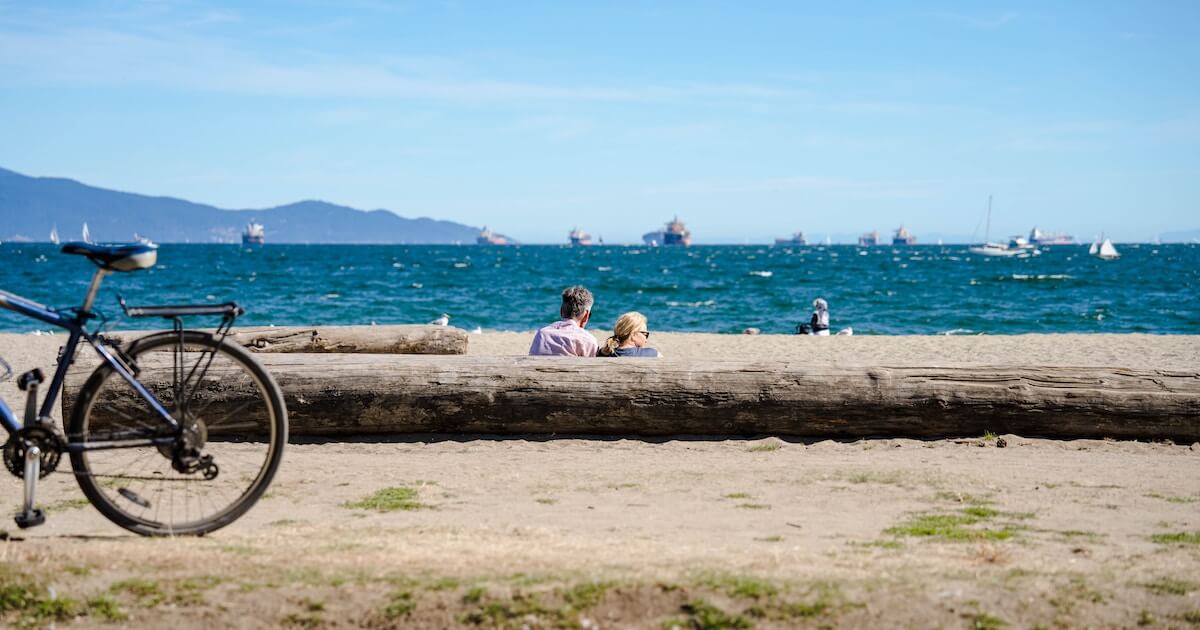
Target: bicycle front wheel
point(235, 427)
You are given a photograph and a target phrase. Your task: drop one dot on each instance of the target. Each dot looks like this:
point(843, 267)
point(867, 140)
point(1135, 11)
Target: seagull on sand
point(444, 320)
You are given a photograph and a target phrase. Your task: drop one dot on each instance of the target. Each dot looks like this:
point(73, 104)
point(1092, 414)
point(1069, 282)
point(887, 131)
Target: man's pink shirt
point(563, 338)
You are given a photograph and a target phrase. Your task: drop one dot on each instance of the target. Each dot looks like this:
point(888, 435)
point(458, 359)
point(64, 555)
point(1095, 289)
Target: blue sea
point(922, 290)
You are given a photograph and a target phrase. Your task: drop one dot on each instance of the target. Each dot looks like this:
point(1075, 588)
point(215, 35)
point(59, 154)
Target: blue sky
point(750, 120)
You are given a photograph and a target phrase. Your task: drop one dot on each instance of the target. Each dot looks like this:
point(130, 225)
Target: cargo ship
point(488, 237)
point(254, 235)
point(674, 233)
point(579, 237)
point(796, 239)
point(1038, 237)
point(904, 237)
point(870, 239)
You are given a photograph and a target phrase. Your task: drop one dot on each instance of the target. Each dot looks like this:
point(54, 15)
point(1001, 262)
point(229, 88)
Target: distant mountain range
point(31, 206)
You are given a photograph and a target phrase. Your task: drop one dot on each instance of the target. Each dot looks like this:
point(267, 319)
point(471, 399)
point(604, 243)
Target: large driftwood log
point(402, 339)
point(347, 394)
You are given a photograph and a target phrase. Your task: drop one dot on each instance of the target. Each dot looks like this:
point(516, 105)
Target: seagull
point(444, 320)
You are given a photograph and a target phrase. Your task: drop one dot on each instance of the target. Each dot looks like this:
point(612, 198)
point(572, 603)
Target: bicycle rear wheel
point(234, 412)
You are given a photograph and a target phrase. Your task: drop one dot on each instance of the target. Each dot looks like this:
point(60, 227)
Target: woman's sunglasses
point(645, 333)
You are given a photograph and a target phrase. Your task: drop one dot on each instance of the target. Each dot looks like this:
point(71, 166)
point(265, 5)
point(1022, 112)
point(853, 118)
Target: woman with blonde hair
point(629, 338)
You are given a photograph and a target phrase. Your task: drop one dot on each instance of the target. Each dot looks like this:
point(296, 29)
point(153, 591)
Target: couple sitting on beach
point(567, 336)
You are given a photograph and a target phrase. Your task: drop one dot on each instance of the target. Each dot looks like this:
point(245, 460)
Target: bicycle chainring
point(18, 443)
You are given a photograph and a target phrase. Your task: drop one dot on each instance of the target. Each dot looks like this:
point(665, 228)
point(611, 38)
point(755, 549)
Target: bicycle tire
point(132, 486)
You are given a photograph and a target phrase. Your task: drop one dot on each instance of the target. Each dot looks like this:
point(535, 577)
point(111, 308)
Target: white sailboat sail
point(54, 235)
point(1094, 249)
point(1107, 251)
point(87, 234)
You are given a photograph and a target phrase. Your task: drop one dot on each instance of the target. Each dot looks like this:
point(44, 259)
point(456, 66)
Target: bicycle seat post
point(97, 278)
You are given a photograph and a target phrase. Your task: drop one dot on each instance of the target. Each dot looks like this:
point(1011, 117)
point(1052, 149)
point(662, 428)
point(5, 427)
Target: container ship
point(870, 239)
point(674, 233)
point(904, 237)
point(579, 237)
point(488, 237)
point(254, 235)
point(1038, 237)
point(796, 239)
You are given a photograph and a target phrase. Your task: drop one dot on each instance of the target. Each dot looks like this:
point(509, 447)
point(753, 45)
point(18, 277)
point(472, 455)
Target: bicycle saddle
point(122, 257)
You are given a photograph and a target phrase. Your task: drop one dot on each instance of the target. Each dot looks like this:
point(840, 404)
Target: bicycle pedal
point(34, 518)
point(32, 377)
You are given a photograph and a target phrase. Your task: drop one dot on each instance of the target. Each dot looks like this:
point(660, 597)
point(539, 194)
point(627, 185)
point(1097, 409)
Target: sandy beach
point(650, 533)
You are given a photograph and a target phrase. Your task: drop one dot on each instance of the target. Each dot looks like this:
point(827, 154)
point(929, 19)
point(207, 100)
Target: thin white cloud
point(977, 21)
point(81, 56)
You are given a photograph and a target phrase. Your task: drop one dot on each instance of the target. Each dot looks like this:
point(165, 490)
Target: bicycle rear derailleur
point(47, 442)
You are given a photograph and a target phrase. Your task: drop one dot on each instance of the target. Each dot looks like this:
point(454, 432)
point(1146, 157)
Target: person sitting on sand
point(820, 317)
point(629, 338)
point(567, 336)
point(818, 324)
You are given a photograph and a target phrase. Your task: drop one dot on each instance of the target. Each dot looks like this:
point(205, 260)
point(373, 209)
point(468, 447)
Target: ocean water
point(924, 289)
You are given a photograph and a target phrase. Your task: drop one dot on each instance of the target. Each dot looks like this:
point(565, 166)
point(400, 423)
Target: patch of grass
point(586, 595)
point(741, 586)
point(500, 613)
point(1076, 590)
point(629, 485)
point(57, 609)
point(1078, 533)
point(705, 615)
point(81, 570)
point(1191, 616)
point(444, 584)
point(1173, 498)
point(66, 504)
point(1171, 586)
point(475, 595)
point(399, 604)
point(1146, 618)
point(737, 495)
point(17, 596)
point(765, 447)
point(953, 527)
point(884, 544)
point(770, 539)
point(190, 591)
point(148, 593)
point(988, 436)
point(984, 621)
point(283, 522)
point(302, 620)
point(869, 477)
point(1178, 538)
point(388, 500)
point(106, 608)
point(754, 506)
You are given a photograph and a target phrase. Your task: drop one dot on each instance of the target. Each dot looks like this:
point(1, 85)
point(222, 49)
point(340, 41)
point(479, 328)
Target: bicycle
point(176, 433)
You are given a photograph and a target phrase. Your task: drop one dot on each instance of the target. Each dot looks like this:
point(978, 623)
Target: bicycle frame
point(75, 324)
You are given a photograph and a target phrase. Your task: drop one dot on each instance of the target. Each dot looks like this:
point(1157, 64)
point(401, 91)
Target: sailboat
point(54, 234)
point(989, 248)
point(87, 234)
point(1105, 250)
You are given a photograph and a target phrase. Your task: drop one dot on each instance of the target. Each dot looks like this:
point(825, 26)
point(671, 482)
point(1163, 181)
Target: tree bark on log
point(355, 394)
point(400, 339)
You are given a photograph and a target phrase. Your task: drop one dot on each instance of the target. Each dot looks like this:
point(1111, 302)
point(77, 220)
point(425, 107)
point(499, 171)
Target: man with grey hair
point(567, 336)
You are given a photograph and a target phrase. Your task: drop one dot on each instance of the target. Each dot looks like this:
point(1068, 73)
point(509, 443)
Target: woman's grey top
point(634, 351)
